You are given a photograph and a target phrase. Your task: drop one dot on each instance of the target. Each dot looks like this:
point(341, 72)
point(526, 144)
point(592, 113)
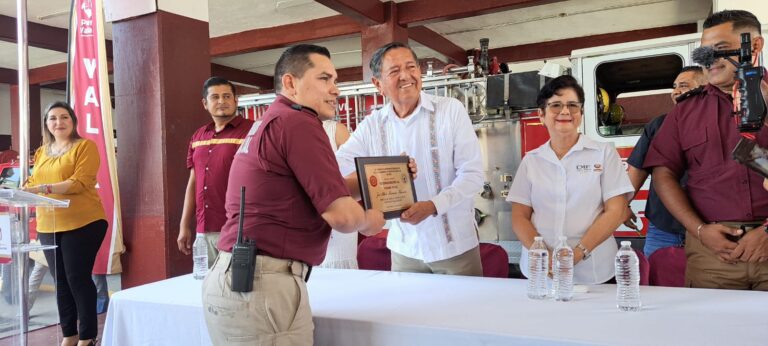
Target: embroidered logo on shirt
point(597, 168)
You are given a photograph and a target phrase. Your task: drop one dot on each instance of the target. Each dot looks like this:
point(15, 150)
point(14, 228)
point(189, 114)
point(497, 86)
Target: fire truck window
point(630, 93)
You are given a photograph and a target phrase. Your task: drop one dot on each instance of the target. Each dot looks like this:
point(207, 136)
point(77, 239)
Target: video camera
point(752, 110)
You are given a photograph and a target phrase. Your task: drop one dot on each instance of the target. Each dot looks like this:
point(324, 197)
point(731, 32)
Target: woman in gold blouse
point(65, 167)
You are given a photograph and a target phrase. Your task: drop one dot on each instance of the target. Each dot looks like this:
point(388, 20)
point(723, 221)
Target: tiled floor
point(48, 336)
point(44, 313)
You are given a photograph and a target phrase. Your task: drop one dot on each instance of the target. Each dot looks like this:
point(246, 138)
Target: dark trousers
point(72, 265)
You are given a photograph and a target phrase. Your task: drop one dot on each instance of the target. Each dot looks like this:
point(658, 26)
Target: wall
point(5, 110)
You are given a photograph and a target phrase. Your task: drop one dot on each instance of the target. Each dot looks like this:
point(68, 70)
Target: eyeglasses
point(557, 107)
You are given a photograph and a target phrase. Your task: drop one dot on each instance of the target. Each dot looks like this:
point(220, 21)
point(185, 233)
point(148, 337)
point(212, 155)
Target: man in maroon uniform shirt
point(211, 151)
point(294, 196)
point(725, 205)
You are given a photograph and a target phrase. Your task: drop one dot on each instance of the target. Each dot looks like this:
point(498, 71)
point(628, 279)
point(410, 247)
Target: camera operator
point(725, 205)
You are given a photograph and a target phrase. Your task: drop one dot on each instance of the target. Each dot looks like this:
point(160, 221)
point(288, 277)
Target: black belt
point(743, 226)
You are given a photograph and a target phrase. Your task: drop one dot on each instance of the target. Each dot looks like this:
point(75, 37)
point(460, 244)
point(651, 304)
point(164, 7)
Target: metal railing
point(357, 101)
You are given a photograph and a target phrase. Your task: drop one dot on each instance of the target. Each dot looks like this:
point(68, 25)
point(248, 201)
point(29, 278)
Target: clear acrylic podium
point(14, 259)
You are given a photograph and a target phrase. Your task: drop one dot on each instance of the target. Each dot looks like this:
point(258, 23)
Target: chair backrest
point(372, 254)
point(668, 267)
point(644, 268)
point(495, 261)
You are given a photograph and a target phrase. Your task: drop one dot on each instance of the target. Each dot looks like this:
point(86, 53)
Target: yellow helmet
point(616, 114)
point(603, 101)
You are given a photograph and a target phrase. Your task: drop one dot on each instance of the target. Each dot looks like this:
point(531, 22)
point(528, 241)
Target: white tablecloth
point(356, 307)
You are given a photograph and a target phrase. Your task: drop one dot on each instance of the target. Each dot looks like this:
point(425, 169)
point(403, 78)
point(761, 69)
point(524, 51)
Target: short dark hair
point(692, 68)
point(375, 63)
point(47, 135)
point(740, 19)
point(214, 81)
point(295, 60)
point(555, 86)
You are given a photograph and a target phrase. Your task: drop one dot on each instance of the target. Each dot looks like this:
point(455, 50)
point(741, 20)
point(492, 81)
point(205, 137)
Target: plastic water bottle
point(562, 269)
point(200, 257)
point(627, 278)
point(538, 265)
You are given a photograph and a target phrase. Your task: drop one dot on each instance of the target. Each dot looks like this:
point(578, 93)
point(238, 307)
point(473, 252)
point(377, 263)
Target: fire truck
point(626, 86)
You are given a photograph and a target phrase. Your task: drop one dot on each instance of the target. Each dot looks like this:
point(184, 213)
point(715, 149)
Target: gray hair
point(375, 63)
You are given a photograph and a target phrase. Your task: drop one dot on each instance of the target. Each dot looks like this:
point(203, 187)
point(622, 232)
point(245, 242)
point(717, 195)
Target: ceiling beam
point(550, 49)
point(428, 11)
point(38, 35)
point(438, 43)
point(242, 76)
point(41, 36)
point(48, 74)
point(8, 76)
point(350, 74)
point(56, 86)
point(283, 35)
point(365, 12)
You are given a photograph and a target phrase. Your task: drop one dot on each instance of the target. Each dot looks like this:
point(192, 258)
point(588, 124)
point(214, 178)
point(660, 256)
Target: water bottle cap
point(626, 243)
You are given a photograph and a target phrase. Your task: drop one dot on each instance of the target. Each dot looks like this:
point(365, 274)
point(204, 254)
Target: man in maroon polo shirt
point(211, 151)
point(294, 196)
point(725, 203)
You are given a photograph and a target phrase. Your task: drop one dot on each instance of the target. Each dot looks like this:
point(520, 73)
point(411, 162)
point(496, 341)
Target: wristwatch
point(584, 250)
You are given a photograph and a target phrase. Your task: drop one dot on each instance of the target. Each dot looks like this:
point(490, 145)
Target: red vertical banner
point(90, 98)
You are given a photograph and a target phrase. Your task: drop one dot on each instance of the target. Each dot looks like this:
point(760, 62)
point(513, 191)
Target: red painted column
point(35, 118)
point(373, 37)
point(160, 63)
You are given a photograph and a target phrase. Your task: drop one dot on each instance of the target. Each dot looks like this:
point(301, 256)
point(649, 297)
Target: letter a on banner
point(89, 96)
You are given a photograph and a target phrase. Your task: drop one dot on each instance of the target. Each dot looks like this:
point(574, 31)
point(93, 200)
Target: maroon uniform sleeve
point(190, 152)
point(310, 157)
point(666, 149)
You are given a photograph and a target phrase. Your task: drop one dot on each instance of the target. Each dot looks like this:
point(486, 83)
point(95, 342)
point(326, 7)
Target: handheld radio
point(243, 255)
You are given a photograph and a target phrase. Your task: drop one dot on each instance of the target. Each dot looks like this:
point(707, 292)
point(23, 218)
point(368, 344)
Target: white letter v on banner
point(90, 66)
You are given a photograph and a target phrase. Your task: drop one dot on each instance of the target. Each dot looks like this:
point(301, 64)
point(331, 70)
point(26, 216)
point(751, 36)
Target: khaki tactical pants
point(467, 264)
point(276, 312)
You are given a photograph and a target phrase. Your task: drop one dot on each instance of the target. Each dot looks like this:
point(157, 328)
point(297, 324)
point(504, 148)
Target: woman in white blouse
point(342, 247)
point(571, 186)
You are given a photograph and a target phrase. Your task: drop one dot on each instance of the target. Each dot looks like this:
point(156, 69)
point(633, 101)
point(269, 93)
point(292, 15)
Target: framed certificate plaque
point(386, 184)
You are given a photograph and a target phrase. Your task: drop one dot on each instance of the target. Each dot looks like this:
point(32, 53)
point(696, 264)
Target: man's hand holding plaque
point(418, 212)
point(386, 184)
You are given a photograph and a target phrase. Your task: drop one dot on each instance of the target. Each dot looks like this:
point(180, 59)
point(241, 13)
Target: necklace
point(55, 152)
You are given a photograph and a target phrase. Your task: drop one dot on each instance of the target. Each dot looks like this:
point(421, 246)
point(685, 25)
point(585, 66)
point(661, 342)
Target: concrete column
point(373, 37)
point(161, 60)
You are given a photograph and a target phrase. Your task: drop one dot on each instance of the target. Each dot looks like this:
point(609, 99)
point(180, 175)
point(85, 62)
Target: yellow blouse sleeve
point(87, 163)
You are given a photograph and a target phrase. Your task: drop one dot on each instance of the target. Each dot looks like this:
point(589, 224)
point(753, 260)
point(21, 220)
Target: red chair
point(372, 254)
point(644, 268)
point(495, 261)
point(668, 267)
